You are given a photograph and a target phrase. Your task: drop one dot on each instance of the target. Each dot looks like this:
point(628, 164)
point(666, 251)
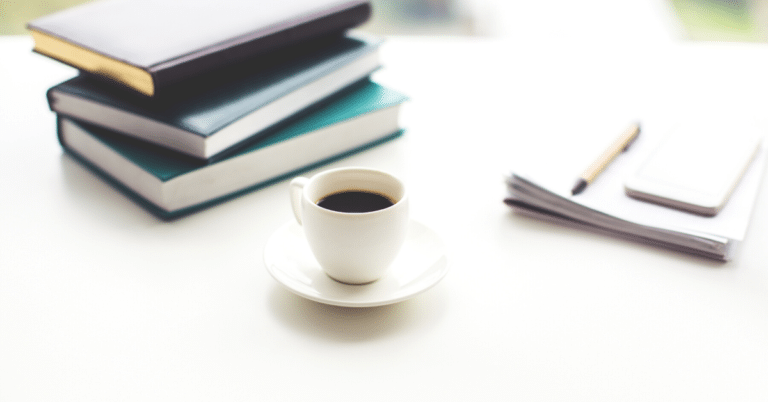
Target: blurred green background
point(14, 14)
point(390, 17)
point(727, 20)
point(730, 20)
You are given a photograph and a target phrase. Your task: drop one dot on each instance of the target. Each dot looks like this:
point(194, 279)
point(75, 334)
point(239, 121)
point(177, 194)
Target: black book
point(148, 45)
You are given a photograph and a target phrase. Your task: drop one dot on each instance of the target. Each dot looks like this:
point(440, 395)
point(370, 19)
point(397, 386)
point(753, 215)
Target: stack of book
point(184, 104)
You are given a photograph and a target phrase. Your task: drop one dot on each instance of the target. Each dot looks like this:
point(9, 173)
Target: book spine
point(58, 133)
point(50, 98)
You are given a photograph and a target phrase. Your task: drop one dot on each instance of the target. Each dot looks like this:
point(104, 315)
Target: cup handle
point(297, 188)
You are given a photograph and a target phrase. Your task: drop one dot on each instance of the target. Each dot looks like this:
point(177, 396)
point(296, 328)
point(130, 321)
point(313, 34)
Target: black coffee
point(355, 202)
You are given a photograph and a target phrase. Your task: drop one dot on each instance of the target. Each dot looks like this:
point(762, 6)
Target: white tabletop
point(99, 300)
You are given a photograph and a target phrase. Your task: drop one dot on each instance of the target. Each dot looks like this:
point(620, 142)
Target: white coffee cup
point(352, 247)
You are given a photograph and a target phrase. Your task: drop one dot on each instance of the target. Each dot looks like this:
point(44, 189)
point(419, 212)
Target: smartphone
point(697, 167)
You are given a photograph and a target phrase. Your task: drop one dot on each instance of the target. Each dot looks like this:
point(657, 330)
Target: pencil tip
point(579, 187)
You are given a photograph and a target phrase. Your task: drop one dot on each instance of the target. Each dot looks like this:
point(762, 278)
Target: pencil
point(620, 145)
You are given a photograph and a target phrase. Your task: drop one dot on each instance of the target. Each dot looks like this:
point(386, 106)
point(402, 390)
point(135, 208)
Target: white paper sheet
point(607, 194)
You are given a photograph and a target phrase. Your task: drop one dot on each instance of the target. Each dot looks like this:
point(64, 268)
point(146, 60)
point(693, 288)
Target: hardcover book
point(213, 116)
point(147, 45)
point(170, 184)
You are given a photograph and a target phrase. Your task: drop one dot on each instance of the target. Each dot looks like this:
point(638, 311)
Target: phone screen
point(696, 168)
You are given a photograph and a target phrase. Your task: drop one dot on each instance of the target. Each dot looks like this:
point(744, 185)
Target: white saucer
point(421, 264)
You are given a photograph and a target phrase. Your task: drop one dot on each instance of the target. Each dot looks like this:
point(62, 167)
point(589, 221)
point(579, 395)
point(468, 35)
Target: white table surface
point(99, 300)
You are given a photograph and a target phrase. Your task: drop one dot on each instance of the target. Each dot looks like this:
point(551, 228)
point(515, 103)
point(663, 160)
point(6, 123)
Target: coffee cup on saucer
point(354, 219)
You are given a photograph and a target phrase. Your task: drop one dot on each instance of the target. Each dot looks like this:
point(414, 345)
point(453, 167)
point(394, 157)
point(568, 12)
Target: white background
point(99, 300)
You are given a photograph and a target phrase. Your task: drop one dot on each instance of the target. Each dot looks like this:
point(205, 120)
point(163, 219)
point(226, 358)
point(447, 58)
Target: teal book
point(170, 184)
point(210, 117)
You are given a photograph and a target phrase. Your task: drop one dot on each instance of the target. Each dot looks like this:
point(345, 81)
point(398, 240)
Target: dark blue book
point(170, 184)
point(149, 46)
point(212, 115)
